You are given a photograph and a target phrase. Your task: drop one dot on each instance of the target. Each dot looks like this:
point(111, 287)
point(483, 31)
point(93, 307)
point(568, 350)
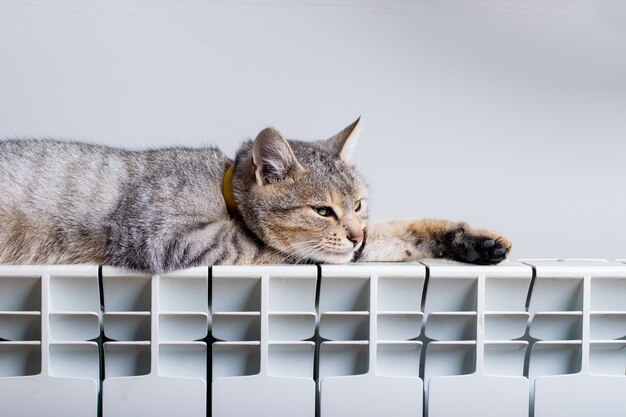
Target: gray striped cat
point(279, 201)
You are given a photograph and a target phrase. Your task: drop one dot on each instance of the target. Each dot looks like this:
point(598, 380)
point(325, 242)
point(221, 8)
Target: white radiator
point(533, 338)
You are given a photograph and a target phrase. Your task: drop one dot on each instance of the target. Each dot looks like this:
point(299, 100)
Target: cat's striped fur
point(158, 210)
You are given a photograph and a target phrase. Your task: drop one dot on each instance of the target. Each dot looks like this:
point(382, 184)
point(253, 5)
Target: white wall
point(509, 114)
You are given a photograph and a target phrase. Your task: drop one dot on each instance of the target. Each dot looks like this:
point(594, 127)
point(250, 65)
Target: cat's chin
point(333, 258)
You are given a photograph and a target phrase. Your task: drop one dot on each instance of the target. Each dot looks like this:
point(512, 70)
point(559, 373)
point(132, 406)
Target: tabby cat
point(279, 201)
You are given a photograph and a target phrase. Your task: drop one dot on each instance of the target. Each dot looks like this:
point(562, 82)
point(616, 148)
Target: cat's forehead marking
point(336, 202)
point(335, 199)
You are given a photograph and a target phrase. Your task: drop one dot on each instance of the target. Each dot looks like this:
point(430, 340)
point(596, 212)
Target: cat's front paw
point(481, 247)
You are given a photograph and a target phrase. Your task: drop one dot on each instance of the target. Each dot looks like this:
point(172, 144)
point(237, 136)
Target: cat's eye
point(357, 205)
point(324, 211)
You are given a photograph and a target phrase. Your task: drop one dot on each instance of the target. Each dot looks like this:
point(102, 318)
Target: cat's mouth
point(320, 253)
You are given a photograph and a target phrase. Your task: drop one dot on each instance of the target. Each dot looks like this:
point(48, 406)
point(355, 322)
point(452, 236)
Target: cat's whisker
point(315, 249)
point(299, 256)
point(301, 248)
point(304, 251)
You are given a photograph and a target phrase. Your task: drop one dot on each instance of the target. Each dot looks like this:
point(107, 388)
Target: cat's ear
point(272, 157)
point(342, 144)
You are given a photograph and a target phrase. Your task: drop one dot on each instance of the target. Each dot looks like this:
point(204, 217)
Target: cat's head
point(303, 199)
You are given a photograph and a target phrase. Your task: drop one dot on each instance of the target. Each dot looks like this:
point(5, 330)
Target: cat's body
point(165, 209)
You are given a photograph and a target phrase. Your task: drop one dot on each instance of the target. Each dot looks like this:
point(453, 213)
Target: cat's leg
point(220, 243)
point(181, 246)
point(408, 240)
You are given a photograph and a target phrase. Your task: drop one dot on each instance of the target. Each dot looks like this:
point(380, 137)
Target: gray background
point(507, 114)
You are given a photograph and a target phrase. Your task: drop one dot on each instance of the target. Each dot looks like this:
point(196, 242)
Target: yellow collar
point(227, 190)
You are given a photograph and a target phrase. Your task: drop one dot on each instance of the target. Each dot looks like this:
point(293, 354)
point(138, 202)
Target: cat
point(279, 201)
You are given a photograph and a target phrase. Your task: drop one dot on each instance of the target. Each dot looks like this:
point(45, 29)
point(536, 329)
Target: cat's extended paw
point(481, 247)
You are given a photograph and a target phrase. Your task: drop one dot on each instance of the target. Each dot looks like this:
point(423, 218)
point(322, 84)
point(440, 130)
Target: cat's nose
point(355, 239)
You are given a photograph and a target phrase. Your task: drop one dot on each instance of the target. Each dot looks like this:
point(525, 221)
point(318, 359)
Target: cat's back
point(41, 174)
point(36, 172)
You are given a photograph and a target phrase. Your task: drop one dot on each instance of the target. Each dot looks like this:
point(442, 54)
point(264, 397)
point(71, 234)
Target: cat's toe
point(494, 252)
point(489, 243)
point(480, 249)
